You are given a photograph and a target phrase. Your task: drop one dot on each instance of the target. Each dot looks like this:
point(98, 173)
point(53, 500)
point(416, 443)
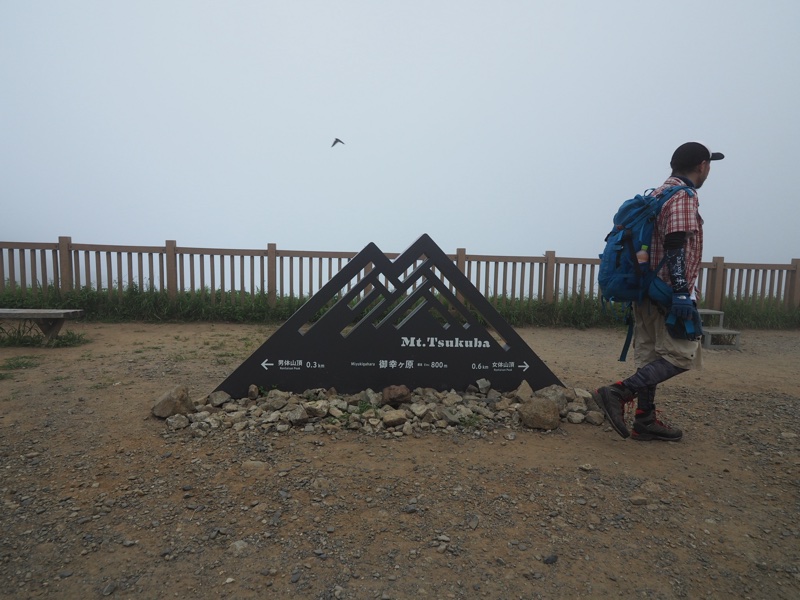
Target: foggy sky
point(507, 127)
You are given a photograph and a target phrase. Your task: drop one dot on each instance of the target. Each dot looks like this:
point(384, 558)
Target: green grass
point(181, 356)
point(234, 307)
point(471, 422)
point(68, 339)
point(19, 362)
point(135, 304)
point(768, 314)
point(26, 334)
point(579, 314)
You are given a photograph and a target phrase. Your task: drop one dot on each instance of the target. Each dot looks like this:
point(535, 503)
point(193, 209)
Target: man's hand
point(682, 306)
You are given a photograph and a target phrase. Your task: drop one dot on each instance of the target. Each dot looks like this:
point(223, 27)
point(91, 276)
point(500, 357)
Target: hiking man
point(678, 236)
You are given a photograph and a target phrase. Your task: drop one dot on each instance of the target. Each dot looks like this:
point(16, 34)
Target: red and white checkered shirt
point(679, 213)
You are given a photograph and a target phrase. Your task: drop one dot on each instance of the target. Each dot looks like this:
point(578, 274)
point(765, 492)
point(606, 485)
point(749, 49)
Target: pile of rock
point(394, 411)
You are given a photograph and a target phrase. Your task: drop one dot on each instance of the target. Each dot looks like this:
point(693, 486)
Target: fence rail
point(65, 266)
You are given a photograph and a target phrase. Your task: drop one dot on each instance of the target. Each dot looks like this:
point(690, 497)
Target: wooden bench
point(49, 321)
point(713, 329)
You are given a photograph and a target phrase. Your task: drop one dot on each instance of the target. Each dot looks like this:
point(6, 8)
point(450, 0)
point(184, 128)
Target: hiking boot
point(612, 399)
point(647, 427)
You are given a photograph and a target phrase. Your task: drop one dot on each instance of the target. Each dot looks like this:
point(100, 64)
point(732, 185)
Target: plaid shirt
point(680, 213)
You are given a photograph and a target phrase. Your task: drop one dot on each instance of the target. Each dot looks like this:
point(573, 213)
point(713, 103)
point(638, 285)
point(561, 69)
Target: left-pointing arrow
point(267, 364)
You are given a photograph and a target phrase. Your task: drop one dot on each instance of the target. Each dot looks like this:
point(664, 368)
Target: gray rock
point(578, 407)
point(109, 589)
point(451, 399)
point(338, 403)
point(176, 422)
point(372, 397)
point(482, 410)
point(419, 410)
point(217, 399)
point(539, 413)
point(463, 413)
point(316, 394)
point(255, 465)
point(449, 416)
point(423, 410)
point(395, 395)
point(275, 402)
point(576, 417)
point(558, 394)
point(199, 416)
point(239, 548)
point(174, 402)
point(394, 418)
point(595, 417)
point(317, 408)
point(294, 414)
point(523, 392)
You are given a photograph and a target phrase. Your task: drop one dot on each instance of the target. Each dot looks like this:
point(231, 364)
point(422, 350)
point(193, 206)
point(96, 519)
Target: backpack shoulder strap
point(669, 192)
point(629, 335)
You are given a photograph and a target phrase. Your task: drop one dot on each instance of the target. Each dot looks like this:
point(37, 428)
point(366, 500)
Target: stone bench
point(48, 320)
point(714, 330)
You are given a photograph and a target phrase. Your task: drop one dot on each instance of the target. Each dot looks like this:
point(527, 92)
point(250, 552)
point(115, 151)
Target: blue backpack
point(621, 277)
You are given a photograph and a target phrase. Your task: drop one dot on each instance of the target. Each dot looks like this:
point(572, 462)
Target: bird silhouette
point(336, 141)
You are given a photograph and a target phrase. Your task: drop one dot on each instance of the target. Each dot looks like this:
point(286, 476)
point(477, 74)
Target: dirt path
point(100, 499)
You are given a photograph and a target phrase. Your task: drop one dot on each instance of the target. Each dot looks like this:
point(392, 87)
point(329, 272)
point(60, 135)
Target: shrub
point(135, 304)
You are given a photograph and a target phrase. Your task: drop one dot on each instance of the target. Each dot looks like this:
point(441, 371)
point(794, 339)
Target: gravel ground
point(100, 499)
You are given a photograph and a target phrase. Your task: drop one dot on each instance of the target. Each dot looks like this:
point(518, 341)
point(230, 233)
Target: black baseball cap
point(691, 154)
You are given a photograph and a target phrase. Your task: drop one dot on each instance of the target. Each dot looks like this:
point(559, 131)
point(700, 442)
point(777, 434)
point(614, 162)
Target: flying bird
point(336, 141)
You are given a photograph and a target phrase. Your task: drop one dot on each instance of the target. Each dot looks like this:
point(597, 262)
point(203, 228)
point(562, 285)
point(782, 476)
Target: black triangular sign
point(391, 323)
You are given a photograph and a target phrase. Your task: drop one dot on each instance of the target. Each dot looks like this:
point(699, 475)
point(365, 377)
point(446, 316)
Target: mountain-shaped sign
point(416, 320)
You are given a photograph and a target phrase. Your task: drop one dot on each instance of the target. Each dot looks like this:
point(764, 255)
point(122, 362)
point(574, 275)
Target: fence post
point(461, 264)
point(272, 274)
point(461, 259)
point(549, 276)
point(716, 283)
point(172, 269)
point(65, 262)
point(793, 285)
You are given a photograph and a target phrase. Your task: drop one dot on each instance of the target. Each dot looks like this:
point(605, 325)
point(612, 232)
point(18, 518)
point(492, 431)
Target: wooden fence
point(66, 265)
